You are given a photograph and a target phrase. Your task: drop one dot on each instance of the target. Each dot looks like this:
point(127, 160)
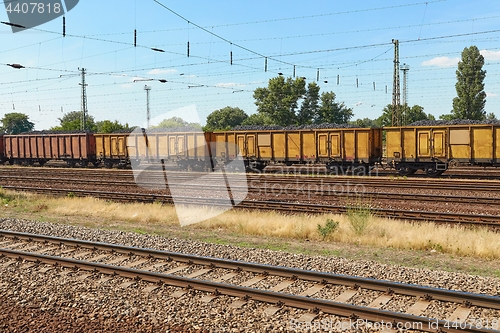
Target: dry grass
point(380, 233)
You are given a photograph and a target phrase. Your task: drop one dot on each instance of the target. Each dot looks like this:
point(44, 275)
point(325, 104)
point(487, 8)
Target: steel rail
point(327, 180)
point(291, 273)
point(301, 302)
point(289, 190)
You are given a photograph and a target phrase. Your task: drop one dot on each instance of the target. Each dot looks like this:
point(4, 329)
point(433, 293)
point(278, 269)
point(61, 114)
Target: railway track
point(490, 221)
point(358, 300)
point(475, 173)
point(323, 190)
point(390, 182)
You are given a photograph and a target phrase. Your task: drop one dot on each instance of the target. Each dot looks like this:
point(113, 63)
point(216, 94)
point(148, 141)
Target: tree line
point(289, 101)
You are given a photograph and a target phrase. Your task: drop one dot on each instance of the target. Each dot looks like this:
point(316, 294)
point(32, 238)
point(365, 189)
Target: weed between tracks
point(327, 234)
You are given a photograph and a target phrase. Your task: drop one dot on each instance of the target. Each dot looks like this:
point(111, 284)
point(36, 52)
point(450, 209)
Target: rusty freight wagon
point(111, 149)
point(188, 150)
point(339, 149)
point(434, 149)
point(73, 148)
point(2, 152)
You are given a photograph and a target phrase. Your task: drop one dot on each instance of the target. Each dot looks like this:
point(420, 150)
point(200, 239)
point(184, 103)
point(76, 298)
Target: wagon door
point(121, 146)
point(424, 144)
point(323, 145)
point(438, 144)
point(181, 150)
point(251, 145)
point(241, 145)
point(335, 145)
point(114, 147)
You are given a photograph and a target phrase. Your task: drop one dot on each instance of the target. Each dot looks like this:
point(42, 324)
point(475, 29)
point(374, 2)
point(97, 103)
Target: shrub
point(328, 229)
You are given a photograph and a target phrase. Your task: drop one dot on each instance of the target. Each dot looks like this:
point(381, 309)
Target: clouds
point(229, 84)
point(158, 71)
point(490, 55)
point(451, 62)
point(441, 62)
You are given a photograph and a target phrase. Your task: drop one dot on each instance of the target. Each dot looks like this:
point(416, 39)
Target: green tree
point(72, 121)
point(176, 122)
point(310, 105)
point(491, 116)
point(15, 123)
point(471, 97)
point(258, 119)
point(332, 112)
point(366, 122)
point(280, 99)
point(225, 118)
point(108, 126)
point(408, 115)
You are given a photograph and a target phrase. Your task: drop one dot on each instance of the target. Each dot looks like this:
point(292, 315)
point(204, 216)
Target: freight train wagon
point(2, 152)
point(111, 149)
point(339, 149)
point(189, 150)
point(434, 149)
point(73, 148)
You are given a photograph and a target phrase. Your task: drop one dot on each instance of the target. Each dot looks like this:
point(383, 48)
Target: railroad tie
point(154, 267)
point(81, 255)
point(460, 314)
point(8, 263)
point(115, 261)
point(253, 280)
point(313, 290)
point(380, 301)
point(84, 276)
point(176, 269)
point(346, 295)
point(99, 257)
point(179, 293)
point(13, 246)
point(46, 269)
point(307, 317)
point(226, 277)
point(28, 265)
point(136, 263)
point(150, 288)
point(199, 273)
point(419, 307)
point(283, 285)
point(127, 284)
point(28, 249)
point(42, 251)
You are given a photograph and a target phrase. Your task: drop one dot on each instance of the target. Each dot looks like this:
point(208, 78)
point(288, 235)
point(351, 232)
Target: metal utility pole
point(396, 104)
point(148, 114)
point(405, 68)
point(83, 123)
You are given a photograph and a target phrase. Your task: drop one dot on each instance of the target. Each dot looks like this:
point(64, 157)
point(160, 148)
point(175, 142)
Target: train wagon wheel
point(433, 172)
point(108, 165)
point(406, 171)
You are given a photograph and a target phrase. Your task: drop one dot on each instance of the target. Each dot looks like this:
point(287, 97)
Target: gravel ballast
point(57, 301)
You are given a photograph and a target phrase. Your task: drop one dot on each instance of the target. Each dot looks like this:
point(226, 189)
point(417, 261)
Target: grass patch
point(357, 235)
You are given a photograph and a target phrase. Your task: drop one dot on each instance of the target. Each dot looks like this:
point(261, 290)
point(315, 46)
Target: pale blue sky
point(346, 39)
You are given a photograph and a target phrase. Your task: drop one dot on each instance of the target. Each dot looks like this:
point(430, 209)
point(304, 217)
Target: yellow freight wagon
point(434, 149)
point(337, 148)
point(189, 150)
point(111, 149)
